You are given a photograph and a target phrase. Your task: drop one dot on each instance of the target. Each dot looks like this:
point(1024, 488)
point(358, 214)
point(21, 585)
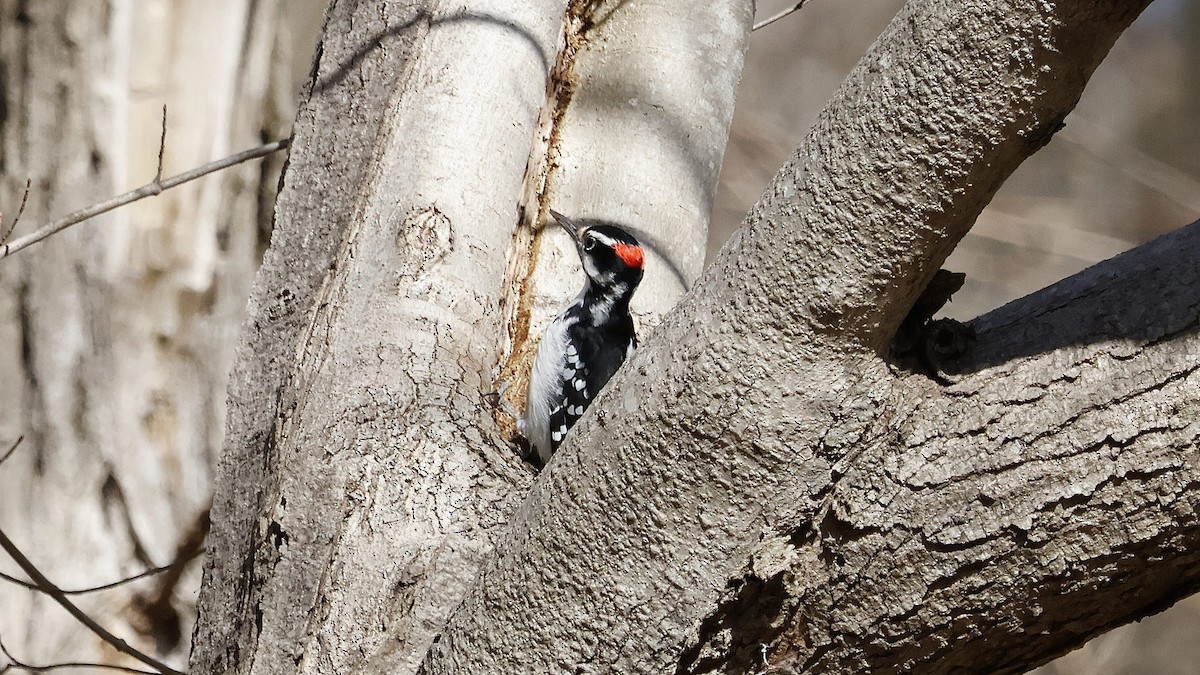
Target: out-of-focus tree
point(116, 337)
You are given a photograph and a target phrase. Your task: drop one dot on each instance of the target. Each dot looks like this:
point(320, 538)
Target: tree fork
point(725, 441)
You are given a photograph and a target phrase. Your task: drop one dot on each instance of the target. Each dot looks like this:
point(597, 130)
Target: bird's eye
point(589, 243)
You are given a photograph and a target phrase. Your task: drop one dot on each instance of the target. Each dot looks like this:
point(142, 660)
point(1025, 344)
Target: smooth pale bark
point(704, 489)
point(116, 336)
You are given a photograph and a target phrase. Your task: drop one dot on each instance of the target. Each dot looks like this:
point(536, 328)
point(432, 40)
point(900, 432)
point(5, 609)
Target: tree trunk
point(116, 336)
point(364, 481)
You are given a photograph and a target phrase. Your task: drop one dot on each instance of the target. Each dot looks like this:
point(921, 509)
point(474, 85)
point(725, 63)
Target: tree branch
point(779, 15)
point(12, 226)
point(46, 586)
point(12, 449)
point(141, 575)
point(1057, 475)
point(149, 190)
point(14, 662)
point(104, 587)
point(162, 148)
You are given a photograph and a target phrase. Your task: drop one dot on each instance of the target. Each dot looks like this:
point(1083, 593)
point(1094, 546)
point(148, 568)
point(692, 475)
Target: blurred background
point(116, 337)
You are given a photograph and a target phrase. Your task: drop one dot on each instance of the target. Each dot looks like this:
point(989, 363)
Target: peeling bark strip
point(532, 209)
point(745, 462)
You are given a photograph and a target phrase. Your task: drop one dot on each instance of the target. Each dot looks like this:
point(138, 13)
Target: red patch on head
point(631, 255)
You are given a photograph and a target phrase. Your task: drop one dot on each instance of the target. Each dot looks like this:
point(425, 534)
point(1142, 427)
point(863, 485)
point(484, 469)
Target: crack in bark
point(537, 184)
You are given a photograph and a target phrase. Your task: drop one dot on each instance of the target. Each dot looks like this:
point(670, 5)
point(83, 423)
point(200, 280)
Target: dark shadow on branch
point(422, 20)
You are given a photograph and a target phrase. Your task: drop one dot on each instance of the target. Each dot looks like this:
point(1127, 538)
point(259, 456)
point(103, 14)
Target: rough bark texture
point(116, 336)
point(986, 522)
point(700, 512)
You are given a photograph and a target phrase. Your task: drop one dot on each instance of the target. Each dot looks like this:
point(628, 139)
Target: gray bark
point(116, 336)
point(759, 487)
point(1056, 477)
point(364, 481)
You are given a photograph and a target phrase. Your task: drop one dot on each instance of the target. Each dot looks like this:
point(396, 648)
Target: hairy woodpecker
point(589, 340)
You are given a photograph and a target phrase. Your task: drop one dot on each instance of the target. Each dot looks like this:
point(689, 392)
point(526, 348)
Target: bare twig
point(162, 147)
point(53, 591)
point(12, 449)
point(775, 17)
point(14, 662)
point(93, 589)
point(148, 190)
point(12, 226)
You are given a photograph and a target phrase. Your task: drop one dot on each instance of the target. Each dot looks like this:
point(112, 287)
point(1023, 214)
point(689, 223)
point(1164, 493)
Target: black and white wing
point(591, 361)
point(576, 394)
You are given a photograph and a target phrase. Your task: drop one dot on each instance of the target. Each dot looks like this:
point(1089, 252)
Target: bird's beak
point(573, 228)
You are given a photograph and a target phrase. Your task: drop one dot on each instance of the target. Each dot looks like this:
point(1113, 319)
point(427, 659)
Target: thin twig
point(50, 589)
point(772, 19)
point(162, 147)
point(147, 190)
point(94, 589)
point(14, 662)
point(12, 449)
point(13, 225)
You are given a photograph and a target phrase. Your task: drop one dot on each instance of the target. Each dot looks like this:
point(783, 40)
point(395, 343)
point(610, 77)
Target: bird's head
point(611, 257)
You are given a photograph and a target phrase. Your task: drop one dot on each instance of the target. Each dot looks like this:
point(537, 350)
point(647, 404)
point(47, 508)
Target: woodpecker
point(589, 340)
